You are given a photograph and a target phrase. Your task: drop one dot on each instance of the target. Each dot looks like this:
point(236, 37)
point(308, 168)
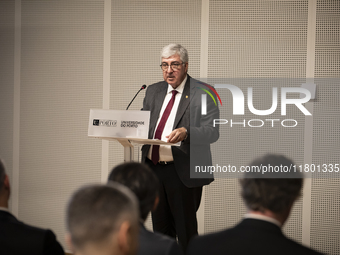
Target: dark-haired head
point(271, 190)
point(141, 180)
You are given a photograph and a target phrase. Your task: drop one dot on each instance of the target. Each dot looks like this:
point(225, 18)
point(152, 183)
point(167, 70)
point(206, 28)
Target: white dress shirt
point(165, 153)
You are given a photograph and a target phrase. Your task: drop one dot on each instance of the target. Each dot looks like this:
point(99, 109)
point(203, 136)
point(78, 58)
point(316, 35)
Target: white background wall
point(61, 58)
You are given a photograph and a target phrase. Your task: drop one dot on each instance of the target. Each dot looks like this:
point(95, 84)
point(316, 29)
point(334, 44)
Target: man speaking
point(175, 106)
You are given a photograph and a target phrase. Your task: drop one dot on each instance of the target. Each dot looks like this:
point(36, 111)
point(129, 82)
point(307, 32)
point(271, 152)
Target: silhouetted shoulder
point(248, 237)
point(155, 244)
point(18, 238)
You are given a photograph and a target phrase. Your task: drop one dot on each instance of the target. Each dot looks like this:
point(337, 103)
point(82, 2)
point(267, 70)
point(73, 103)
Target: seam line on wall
point(203, 74)
point(16, 109)
point(308, 133)
point(106, 84)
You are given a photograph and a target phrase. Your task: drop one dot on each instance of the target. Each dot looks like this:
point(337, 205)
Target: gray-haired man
point(176, 116)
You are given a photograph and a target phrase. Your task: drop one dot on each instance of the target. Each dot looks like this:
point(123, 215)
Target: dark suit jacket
point(17, 238)
point(156, 244)
point(195, 150)
point(250, 236)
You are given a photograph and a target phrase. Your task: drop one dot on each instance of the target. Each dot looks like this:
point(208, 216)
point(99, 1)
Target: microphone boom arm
point(143, 87)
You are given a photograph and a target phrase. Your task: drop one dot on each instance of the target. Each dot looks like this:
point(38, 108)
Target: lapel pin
point(186, 96)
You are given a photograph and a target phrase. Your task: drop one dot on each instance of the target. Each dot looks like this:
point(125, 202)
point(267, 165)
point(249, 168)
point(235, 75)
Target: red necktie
point(160, 127)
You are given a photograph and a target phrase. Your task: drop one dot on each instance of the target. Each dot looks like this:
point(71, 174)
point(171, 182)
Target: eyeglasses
point(174, 66)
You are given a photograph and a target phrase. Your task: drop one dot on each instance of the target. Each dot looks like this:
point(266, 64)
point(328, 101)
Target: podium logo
point(105, 123)
point(131, 123)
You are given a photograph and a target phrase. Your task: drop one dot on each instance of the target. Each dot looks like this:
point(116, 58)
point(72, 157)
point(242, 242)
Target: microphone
point(143, 87)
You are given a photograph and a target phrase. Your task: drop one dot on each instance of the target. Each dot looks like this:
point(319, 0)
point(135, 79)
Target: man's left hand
point(177, 135)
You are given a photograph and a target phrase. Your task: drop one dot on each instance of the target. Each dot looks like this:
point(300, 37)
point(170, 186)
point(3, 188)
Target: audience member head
point(271, 193)
point(4, 186)
point(103, 219)
point(142, 181)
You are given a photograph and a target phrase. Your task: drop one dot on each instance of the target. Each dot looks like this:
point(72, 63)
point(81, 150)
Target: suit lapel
point(184, 103)
point(159, 99)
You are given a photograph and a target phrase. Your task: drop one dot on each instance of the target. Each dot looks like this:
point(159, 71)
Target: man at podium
point(175, 106)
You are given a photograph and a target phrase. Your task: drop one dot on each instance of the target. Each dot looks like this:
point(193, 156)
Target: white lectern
point(127, 127)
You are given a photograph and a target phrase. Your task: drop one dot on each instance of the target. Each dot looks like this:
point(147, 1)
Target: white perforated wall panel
point(255, 40)
point(61, 79)
point(325, 226)
point(325, 211)
point(327, 41)
point(6, 83)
